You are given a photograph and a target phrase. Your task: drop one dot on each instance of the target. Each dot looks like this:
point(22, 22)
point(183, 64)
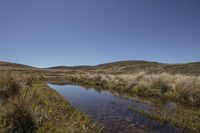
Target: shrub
point(9, 86)
point(160, 83)
point(18, 118)
point(188, 90)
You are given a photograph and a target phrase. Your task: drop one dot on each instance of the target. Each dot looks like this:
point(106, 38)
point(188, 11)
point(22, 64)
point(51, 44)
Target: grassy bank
point(31, 106)
point(180, 88)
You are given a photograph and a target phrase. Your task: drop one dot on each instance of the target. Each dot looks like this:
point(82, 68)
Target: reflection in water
point(116, 113)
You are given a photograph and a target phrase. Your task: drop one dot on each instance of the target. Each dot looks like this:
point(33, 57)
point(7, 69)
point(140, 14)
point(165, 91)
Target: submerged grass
point(183, 117)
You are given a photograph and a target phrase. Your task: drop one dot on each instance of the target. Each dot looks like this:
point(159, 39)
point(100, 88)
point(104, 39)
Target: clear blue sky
point(75, 32)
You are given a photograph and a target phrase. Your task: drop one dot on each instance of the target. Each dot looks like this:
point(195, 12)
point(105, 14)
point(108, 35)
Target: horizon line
point(150, 61)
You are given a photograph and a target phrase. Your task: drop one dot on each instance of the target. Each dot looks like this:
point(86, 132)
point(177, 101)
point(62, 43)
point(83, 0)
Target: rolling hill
point(10, 66)
point(121, 67)
point(128, 67)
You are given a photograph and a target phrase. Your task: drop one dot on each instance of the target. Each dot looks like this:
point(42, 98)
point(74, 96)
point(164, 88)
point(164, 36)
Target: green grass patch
point(55, 114)
point(33, 107)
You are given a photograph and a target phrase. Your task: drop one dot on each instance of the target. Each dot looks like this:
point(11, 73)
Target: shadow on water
point(117, 113)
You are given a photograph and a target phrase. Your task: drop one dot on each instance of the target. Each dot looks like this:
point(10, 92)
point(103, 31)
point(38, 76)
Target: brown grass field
point(25, 106)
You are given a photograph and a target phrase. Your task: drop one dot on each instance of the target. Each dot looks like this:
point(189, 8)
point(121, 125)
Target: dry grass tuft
point(9, 86)
point(15, 115)
point(18, 118)
point(179, 87)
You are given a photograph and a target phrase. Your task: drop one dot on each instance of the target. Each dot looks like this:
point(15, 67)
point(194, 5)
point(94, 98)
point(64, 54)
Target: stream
point(117, 114)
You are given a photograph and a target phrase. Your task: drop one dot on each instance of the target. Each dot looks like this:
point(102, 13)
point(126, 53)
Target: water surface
point(116, 113)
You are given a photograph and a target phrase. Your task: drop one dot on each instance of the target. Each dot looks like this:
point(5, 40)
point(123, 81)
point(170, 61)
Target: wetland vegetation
point(168, 99)
point(30, 106)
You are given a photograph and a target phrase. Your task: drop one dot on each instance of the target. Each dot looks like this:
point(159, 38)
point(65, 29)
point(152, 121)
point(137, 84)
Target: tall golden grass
point(9, 86)
point(180, 87)
point(15, 115)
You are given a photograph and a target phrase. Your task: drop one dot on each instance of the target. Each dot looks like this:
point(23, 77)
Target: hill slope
point(128, 67)
point(9, 65)
point(122, 67)
point(149, 67)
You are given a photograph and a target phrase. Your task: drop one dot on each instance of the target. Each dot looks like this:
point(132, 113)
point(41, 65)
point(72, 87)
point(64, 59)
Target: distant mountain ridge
point(134, 66)
point(14, 65)
point(124, 67)
point(150, 67)
point(70, 67)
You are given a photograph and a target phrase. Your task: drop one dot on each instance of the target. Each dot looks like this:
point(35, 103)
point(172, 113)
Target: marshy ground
point(29, 105)
point(32, 107)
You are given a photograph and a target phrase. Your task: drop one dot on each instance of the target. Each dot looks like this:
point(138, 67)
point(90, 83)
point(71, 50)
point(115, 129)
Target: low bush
point(9, 86)
point(18, 118)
